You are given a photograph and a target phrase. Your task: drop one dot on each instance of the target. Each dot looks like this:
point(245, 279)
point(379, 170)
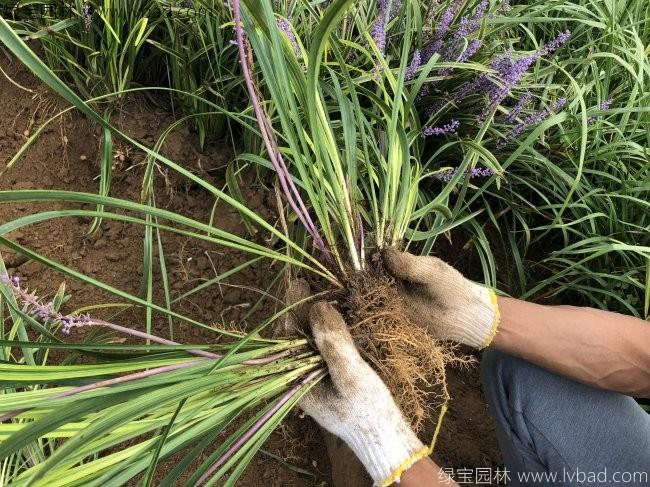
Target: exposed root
point(407, 358)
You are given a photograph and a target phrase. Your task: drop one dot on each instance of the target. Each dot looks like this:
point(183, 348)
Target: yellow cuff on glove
point(495, 321)
point(404, 466)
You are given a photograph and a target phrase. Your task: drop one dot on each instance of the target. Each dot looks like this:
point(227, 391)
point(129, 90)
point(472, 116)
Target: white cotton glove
point(439, 298)
point(353, 403)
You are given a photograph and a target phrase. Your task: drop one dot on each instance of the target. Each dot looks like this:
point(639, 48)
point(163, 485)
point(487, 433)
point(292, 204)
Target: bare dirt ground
point(66, 157)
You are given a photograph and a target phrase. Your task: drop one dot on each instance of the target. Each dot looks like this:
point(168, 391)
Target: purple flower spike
point(416, 61)
point(533, 119)
point(552, 46)
point(463, 57)
point(606, 104)
point(479, 85)
point(472, 49)
point(383, 17)
point(510, 78)
point(32, 305)
point(477, 172)
point(432, 49)
point(481, 172)
point(436, 106)
point(446, 18)
point(469, 25)
point(602, 106)
point(285, 27)
point(514, 113)
point(379, 28)
point(503, 63)
point(88, 16)
point(512, 72)
point(448, 128)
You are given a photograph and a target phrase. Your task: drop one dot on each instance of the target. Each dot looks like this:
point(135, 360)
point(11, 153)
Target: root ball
point(407, 358)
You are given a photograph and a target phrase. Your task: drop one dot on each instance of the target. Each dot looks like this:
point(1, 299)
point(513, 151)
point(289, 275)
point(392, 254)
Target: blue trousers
point(553, 431)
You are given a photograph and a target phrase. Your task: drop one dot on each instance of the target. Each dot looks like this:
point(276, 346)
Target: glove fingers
point(298, 290)
point(295, 320)
point(316, 403)
point(335, 344)
point(407, 267)
point(417, 269)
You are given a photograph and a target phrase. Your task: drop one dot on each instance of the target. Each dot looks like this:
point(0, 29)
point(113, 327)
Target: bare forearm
point(425, 473)
point(599, 348)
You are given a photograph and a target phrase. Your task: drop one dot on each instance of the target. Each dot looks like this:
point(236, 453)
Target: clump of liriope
point(351, 195)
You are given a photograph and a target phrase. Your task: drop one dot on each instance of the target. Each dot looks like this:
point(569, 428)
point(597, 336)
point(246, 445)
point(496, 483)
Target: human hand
point(353, 403)
point(439, 298)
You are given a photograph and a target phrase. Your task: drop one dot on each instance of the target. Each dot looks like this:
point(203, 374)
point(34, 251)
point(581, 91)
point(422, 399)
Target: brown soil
point(66, 157)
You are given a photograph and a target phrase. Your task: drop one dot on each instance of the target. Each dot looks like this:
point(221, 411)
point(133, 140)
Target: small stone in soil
point(113, 257)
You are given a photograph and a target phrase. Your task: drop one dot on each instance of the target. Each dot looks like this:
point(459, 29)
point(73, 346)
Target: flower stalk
point(260, 423)
point(35, 307)
point(289, 188)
